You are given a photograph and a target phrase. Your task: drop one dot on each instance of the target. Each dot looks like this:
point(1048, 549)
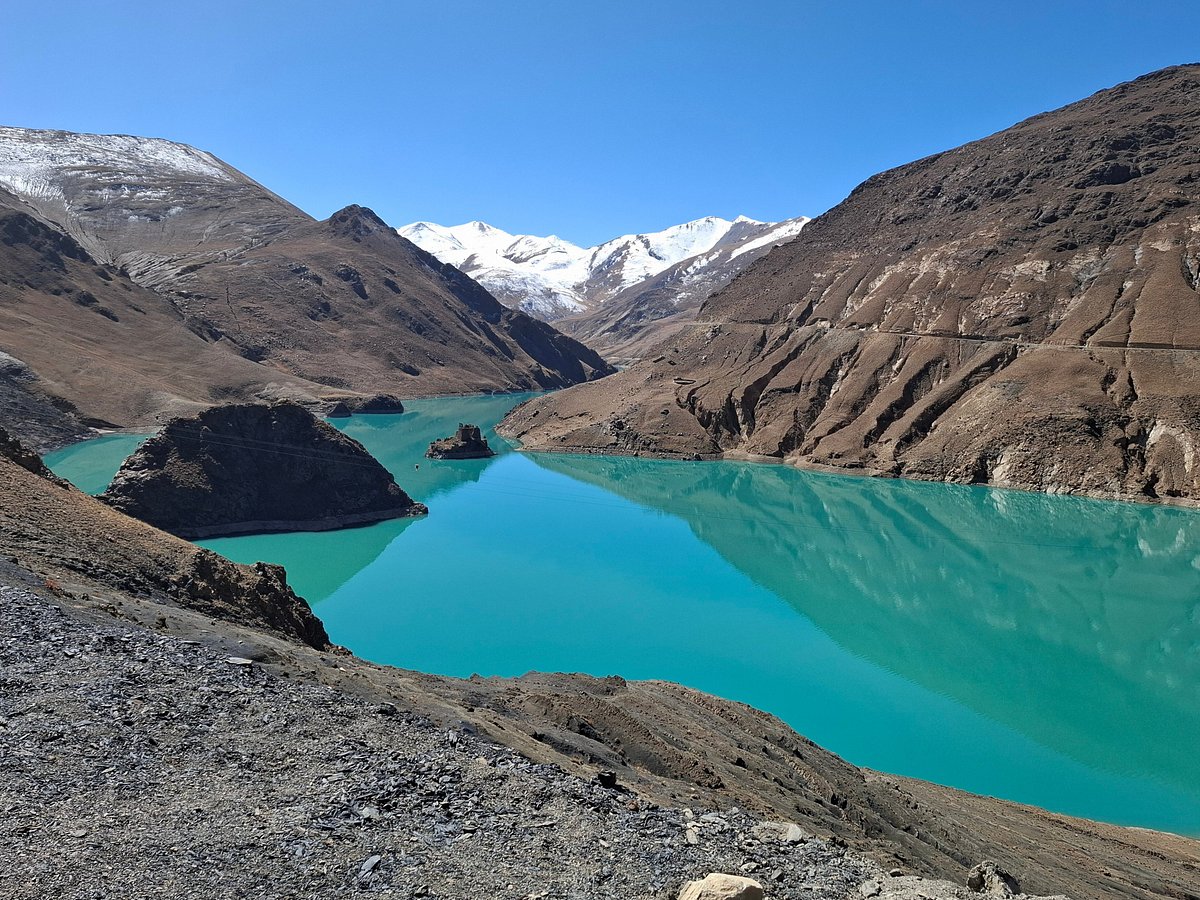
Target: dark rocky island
point(378, 404)
point(466, 443)
point(255, 468)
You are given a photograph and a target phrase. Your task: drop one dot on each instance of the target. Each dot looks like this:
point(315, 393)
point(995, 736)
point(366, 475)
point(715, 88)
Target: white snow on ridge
point(643, 256)
point(538, 274)
point(31, 161)
point(781, 235)
point(550, 277)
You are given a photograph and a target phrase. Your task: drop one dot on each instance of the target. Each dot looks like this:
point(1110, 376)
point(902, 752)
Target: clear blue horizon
point(552, 118)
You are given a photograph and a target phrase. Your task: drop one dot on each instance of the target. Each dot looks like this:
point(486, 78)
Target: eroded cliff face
point(1021, 311)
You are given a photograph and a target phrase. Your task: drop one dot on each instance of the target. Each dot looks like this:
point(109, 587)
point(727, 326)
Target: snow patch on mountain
point(33, 162)
point(781, 235)
point(533, 273)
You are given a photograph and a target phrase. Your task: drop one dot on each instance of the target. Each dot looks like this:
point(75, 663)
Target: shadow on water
point(317, 562)
point(1085, 614)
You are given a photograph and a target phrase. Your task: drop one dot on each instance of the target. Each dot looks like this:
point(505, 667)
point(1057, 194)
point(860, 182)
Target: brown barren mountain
point(88, 345)
point(139, 276)
point(1020, 311)
point(350, 303)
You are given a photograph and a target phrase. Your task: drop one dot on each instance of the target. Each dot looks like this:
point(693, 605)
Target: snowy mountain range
point(554, 279)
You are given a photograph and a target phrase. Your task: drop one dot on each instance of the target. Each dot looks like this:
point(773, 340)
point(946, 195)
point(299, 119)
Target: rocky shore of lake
point(143, 764)
point(174, 724)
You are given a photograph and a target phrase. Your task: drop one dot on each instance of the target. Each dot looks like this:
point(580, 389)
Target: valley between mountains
point(1020, 312)
point(623, 296)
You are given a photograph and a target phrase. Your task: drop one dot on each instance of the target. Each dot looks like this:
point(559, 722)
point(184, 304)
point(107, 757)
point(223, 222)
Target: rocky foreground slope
point(202, 774)
point(1021, 311)
point(139, 276)
point(191, 714)
point(253, 468)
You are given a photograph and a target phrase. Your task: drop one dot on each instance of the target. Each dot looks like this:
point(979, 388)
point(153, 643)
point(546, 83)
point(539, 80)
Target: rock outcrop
point(16, 452)
point(1021, 311)
point(381, 404)
point(255, 468)
point(378, 404)
point(70, 538)
point(466, 443)
point(990, 879)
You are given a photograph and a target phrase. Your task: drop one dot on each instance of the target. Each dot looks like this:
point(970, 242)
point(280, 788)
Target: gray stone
point(719, 886)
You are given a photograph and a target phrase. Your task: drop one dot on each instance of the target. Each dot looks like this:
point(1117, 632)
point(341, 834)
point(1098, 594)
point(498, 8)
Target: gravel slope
point(139, 764)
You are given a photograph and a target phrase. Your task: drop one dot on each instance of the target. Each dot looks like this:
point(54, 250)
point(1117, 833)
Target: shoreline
point(913, 829)
point(671, 747)
point(824, 469)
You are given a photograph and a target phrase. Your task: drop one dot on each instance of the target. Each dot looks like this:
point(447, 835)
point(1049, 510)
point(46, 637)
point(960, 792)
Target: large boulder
point(988, 878)
point(254, 468)
point(780, 833)
point(718, 886)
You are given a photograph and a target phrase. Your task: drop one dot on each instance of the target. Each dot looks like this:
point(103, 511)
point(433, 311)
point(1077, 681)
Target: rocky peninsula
point(252, 468)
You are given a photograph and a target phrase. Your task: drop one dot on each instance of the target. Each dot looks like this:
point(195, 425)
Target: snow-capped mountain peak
point(550, 277)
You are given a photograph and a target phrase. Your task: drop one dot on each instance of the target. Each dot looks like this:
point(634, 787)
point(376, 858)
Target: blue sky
point(583, 119)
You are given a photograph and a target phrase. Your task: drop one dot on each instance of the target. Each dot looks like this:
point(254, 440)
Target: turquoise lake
point(1041, 649)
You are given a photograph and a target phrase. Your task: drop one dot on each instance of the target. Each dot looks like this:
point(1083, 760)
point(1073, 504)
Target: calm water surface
point(1042, 649)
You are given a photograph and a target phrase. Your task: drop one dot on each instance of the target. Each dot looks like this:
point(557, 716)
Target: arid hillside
point(1020, 311)
point(139, 277)
point(85, 345)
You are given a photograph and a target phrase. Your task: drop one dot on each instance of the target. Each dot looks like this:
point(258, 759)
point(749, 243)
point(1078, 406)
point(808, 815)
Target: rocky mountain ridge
point(146, 252)
point(1021, 311)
